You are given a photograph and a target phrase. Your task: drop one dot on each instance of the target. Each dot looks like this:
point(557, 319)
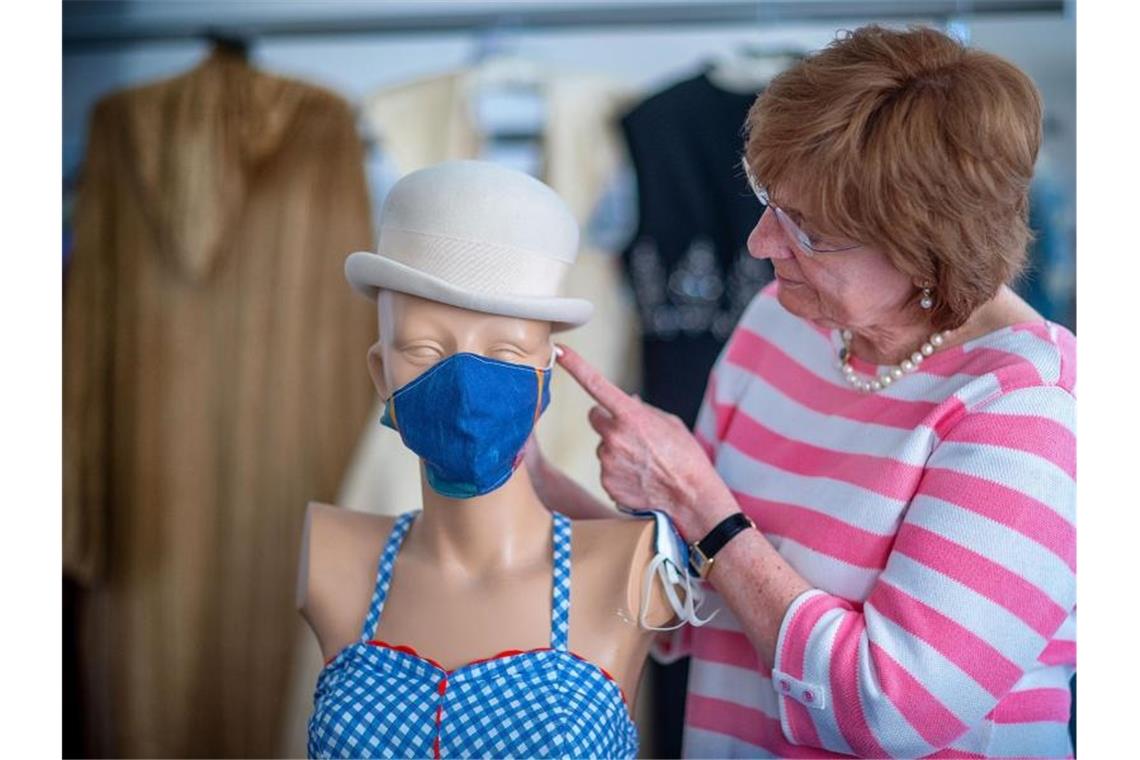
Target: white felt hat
point(479, 236)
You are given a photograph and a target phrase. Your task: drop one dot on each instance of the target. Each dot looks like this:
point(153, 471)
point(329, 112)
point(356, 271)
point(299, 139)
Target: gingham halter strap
point(560, 597)
point(384, 573)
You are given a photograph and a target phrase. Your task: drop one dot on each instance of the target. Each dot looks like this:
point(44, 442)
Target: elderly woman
point(880, 491)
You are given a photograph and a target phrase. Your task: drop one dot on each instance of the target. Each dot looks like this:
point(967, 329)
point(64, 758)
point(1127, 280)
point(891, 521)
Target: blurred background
point(222, 158)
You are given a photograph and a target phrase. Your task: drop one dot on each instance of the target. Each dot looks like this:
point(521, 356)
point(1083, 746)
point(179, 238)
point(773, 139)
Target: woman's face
point(858, 289)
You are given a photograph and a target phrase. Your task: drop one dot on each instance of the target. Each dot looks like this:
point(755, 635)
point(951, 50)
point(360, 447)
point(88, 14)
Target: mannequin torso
point(454, 617)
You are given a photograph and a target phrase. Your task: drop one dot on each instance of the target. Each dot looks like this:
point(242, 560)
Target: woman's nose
point(767, 239)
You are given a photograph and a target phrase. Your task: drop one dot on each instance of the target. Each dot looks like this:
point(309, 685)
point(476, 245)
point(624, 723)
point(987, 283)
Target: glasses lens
point(793, 230)
point(803, 240)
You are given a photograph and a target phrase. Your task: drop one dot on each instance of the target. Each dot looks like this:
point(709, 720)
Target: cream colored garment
point(429, 121)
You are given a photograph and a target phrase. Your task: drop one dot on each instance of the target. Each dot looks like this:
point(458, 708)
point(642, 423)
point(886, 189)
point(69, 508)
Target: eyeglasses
point(806, 242)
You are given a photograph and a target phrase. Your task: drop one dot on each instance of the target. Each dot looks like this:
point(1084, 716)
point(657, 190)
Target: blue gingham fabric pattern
point(378, 701)
point(560, 593)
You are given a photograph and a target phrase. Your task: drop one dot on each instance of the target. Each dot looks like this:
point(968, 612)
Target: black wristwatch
point(701, 553)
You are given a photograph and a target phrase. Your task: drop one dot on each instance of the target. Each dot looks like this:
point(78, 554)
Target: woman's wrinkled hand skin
point(649, 458)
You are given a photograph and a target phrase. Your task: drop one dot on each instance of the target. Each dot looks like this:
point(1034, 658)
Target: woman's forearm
point(749, 574)
point(758, 586)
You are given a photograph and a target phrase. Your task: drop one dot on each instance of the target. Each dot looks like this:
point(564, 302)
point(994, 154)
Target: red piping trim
point(438, 716)
point(406, 649)
point(409, 650)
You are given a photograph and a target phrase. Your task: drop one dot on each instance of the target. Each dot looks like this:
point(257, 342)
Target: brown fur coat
point(214, 381)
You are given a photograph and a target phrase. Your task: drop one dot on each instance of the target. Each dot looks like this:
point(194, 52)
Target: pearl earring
point(927, 301)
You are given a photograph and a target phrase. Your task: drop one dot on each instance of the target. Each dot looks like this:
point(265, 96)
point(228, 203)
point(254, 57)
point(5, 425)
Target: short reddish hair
point(913, 143)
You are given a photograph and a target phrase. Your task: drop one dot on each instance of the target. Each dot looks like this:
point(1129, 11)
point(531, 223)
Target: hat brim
point(368, 273)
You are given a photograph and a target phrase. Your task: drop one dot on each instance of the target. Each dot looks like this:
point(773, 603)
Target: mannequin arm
point(559, 491)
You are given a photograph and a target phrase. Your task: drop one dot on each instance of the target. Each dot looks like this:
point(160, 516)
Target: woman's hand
point(649, 458)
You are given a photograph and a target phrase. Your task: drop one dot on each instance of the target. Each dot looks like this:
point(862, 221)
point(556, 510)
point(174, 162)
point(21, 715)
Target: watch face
point(700, 563)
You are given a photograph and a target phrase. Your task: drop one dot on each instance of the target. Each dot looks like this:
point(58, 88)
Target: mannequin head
point(416, 333)
point(463, 388)
point(464, 365)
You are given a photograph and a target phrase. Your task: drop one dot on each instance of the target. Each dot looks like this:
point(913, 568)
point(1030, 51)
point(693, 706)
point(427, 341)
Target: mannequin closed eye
point(421, 351)
point(513, 352)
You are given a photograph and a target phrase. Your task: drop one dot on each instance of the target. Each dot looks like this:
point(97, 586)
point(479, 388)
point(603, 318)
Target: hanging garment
point(214, 382)
point(688, 262)
point(431, 120)
point(375, 699)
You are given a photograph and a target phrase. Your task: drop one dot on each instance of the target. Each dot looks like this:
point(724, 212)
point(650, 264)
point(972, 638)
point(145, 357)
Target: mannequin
point(479, 566)
point(472, 575)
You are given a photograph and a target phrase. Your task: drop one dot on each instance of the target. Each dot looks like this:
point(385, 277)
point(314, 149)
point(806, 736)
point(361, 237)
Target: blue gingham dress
point(377, 700)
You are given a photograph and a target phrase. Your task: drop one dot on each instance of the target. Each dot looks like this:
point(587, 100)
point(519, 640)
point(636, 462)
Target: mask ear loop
point(686, 610)
point(694, 596)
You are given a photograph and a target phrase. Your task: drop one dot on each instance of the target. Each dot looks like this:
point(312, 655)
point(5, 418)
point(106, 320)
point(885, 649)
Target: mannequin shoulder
point(610, 549)
point(613, 540)
point(339, 551)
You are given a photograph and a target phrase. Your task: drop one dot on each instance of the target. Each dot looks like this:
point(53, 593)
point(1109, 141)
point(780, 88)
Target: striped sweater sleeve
point(980, 578)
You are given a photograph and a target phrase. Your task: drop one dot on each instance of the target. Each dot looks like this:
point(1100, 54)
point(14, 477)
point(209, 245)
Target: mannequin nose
point(767, 239)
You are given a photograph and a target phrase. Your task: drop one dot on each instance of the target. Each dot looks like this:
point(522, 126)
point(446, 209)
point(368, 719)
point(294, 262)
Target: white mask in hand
point(670, 564)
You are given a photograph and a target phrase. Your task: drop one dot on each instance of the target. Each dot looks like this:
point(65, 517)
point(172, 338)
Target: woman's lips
point(787, 281)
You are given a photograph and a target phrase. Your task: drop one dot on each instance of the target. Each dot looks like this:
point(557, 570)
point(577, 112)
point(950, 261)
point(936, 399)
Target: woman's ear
point(376, 369)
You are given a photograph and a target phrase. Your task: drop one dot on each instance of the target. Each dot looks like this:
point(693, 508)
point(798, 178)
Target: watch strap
point(706, 549)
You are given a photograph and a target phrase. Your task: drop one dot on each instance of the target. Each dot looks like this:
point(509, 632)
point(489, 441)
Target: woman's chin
point(801, 302)
point(794, 299)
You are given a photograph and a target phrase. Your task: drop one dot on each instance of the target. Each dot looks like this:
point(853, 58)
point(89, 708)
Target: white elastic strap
point(555, 352)
point(685, 611)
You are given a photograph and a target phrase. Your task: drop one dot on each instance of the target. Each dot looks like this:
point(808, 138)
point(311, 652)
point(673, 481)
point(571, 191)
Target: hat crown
point(483, 203)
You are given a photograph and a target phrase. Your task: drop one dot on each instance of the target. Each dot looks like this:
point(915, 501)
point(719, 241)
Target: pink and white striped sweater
point(935, 520)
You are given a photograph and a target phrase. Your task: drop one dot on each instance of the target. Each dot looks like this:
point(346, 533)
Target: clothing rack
point(94, 25)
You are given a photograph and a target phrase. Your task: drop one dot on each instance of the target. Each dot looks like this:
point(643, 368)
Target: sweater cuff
point(795, 694)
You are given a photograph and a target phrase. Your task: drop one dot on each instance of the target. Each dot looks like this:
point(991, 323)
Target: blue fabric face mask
point(468, 418)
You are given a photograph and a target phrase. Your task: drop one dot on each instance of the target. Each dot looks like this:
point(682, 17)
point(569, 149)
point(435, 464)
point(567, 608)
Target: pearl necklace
point(932, 344)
